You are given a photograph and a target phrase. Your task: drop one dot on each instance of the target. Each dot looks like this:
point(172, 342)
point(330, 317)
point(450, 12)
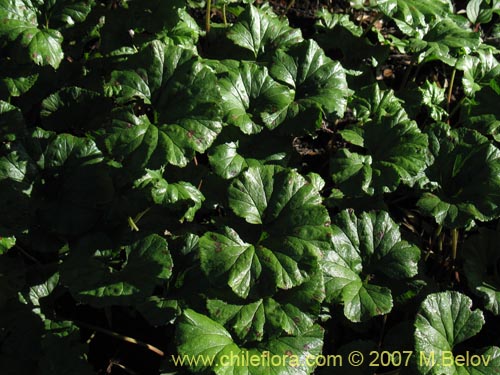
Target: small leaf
point(433, 97)
point(371, 103)
point(178, 195)
point(6, 243)
point(226, 161)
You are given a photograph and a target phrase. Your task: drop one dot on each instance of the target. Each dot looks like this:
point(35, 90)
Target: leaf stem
point(407, 73)
point(454, 243)
point(26, 254)
point(224, 16)
point(208, 16)
point(384, 322)
point(450, 89)
point(132, 224)
point(118, 364)
point(456, 108)
point(131, 340)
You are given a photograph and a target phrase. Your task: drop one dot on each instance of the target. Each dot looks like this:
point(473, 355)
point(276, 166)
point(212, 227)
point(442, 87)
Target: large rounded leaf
point(182, 96)
point(466, 170)
point(286, 249)
point(320, 83)
point(125, 276)
point(395, 154)
point(366, 248)
point(252, 99)
point(445, 320)
point(262, 194)
point(212, 347)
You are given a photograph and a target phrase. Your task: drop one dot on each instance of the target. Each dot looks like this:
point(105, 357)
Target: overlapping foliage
point(158, 172)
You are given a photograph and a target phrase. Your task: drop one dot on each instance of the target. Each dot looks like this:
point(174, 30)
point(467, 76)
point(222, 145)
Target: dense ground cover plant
point(297, 179)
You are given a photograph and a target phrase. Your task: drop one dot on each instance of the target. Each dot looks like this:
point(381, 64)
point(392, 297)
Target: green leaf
point(16, 80)
point(37, 292)
point(482, 267)
point(138, 23)
point(259, 319)
point(461, 158)
point(70, 12)
point(482, 113)
point(371, 103)
point(261, 32)
point(262, 194)
point(226, 161)
point(445, 320)
point(328, 20)
point(364, 248)
point(295, 227)
point(200, 337)
point(228, 253)
point(478, 11)
point(433, 97)
point(478, 70)
point(413, 16)
point(184, 101)
point(6, 243)
point(396, 154)
point(102, 278)
point(320, 83)
point(18, 174)
point(11, 121)
point(178, 195)
point(21, 22)
point(252, 99)
point(446, 41)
